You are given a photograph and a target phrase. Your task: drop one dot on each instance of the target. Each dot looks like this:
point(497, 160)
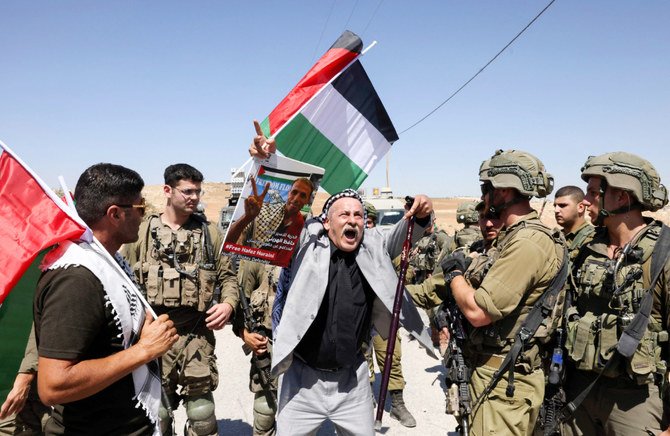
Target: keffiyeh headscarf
point(350, 193)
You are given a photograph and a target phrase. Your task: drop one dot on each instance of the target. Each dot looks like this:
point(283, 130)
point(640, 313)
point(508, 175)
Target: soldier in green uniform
point(467, 215)
point(258, 283)
point(529, 258)
point(424, 255)
point(569, 211)
point(177, 264)
point(23, 413)
point(612, 278)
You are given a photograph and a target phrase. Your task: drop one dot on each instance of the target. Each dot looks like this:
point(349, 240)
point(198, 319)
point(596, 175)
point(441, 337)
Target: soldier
point(177, 263)
point(371, 214)
point(23, 413)
point(467, 215)
point(616, 287)
point(529, 258)
point(258, 283)
point(423, 258)
point(569, 211)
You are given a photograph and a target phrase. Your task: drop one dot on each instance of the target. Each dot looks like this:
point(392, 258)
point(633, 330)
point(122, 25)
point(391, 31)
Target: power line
point(332, 7)
point(351, 14)
point(372, 17)
point(481, 69)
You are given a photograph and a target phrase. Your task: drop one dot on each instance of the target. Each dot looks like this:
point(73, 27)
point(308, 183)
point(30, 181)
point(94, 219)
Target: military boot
point(399, 411)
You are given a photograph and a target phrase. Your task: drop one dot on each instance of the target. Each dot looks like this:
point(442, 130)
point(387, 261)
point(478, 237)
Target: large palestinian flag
point(334, 121)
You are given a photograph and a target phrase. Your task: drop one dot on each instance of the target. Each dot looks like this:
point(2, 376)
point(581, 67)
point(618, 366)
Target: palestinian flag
point(32, 218)
point(334, 121)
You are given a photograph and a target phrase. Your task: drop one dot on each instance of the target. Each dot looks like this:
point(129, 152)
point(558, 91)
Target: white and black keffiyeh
point(342, 194)
point(126, 306)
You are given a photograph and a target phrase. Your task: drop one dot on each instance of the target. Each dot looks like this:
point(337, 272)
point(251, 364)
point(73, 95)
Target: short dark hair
point(181, 171)
point(571, 191)
point(102, 185)
point(305, 181)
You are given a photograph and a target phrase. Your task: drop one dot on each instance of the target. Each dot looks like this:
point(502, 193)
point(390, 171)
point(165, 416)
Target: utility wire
point(351, 14)
point(372, 17)
point(480, 70)
point(332, 7)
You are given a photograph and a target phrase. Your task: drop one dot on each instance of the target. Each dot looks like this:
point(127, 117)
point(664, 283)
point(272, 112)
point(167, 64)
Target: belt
point(300, 358)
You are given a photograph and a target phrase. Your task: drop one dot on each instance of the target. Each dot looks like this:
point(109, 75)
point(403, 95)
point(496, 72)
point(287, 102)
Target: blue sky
point(148, 83)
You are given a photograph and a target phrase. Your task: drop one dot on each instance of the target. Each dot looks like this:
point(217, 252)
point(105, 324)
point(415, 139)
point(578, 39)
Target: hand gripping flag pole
point(395, 321)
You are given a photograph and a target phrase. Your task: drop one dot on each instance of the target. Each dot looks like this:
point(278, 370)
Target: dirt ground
point(217, 194)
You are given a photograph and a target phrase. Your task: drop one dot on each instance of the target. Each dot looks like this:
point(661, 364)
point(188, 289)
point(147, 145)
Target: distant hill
point(217, 194)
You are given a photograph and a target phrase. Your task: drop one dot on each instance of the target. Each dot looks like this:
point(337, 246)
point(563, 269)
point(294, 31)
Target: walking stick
point(393, 331)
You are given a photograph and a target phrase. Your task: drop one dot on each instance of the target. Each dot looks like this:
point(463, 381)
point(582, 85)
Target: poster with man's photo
point(270, 213)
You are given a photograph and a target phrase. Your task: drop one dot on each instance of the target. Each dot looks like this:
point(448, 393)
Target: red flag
point(31, 219)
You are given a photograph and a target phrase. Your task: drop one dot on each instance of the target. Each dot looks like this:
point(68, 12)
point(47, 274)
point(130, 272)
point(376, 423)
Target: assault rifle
point(554, 395)
point(459, 402)
point(263, 361)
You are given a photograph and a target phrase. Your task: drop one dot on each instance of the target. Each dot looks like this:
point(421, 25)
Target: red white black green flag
point(334, 118)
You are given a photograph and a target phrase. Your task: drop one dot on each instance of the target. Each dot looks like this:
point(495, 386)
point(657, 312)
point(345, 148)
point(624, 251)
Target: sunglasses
point(141, 208)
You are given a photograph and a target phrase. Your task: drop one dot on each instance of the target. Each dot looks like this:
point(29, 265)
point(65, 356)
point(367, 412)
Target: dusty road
point(423, 394)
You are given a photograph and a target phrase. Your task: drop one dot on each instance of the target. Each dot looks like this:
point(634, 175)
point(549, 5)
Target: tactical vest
point(176, 268)
point(584, 235)
point(607, 297)
point(465, 237)
point(480, 265)
point(263, 297)
point(499, 336)
point(425, 253)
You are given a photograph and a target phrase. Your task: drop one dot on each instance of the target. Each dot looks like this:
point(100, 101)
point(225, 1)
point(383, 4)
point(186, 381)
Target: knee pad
point(264, 415)
point(261, 404)
point(200, 413)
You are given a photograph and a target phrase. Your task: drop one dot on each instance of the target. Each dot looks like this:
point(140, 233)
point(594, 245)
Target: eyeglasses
point(141, 208)
point(191, 192)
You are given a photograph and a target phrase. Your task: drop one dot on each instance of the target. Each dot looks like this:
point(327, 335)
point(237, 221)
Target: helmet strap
point(604, 213)
point(495, 211)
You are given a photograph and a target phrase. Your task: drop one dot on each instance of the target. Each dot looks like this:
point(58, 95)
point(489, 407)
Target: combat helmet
point(630, 173)
point(519, 170)
point(370, 210)
point(466, 213)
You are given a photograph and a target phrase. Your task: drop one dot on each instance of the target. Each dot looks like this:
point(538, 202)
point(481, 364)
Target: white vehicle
point(390, 210)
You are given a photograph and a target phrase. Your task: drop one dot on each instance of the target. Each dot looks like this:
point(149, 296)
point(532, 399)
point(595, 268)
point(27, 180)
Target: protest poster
point(269, 217)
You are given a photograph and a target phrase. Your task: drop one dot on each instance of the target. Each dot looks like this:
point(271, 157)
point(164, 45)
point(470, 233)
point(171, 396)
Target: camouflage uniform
point(529, 256)
point(259, 284)
point(579, 237)
point(423, 258)
point(178, 271)
point(629, 397)
point(34, 415)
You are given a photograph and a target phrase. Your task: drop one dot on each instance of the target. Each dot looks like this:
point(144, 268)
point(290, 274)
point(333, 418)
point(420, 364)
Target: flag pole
point(322, 88)
point(66, 193)
point(395, 322)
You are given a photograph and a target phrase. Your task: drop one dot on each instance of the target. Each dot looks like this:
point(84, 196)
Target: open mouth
point(350, 234)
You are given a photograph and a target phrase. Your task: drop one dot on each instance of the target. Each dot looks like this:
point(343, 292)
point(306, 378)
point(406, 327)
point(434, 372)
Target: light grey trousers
point(308, 397)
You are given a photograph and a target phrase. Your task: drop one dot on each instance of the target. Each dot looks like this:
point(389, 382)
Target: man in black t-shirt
point(89, 357)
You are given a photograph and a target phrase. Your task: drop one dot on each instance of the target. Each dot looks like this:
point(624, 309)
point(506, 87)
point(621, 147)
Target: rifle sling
point(540, 311)
point(631, 336)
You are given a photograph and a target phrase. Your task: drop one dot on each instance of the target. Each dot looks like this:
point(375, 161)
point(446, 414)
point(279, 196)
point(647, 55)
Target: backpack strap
point(541, 310)
point(145, 229)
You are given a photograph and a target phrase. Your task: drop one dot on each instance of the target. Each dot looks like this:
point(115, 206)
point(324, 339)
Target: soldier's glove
point(454, 265)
